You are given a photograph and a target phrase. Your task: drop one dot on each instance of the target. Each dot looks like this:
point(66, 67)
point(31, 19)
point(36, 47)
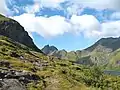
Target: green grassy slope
point(3, 18)
point(55, 74)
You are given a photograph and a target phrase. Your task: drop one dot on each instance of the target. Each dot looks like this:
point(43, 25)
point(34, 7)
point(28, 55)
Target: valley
point(25, 67)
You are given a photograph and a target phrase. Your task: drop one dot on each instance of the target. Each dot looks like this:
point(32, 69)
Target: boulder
point(11, 84)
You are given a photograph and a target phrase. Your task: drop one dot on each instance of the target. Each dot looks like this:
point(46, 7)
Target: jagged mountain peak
point(49, 49)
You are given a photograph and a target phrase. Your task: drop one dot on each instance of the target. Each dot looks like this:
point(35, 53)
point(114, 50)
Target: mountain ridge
point(23, 68)
point(97, 54)
point(12, 29)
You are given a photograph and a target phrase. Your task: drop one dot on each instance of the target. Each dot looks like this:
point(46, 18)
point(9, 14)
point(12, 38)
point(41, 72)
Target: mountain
point(12, 29)
point(102, 51)
point(62, 54)
point(22, 68)
point(99, 53)
point(109, 43)
point(49, 49)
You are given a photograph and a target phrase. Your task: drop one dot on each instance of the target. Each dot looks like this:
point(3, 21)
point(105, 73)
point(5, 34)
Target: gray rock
point(11, 84)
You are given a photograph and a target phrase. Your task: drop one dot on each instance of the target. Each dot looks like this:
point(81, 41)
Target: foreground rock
point(16, 80)
point(11, 84)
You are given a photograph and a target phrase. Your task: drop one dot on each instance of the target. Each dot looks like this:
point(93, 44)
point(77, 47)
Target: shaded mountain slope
point(12, 29)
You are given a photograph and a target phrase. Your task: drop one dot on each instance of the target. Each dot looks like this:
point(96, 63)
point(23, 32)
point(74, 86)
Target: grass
point(3, 18)
point(55, 74)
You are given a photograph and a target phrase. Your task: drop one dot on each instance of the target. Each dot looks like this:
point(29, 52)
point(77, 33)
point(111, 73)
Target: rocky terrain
point(24, 67)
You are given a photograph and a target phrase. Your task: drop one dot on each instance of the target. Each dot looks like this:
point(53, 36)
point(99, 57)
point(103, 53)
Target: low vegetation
point(54, 73)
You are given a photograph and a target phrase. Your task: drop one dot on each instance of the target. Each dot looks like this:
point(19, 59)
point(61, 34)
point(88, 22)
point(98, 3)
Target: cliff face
point(16, 32)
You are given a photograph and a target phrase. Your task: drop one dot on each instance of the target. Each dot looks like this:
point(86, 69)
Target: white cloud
point(86, 24)
point(58, 25)
point(111, 29)
point(98, 4)
point(77, 6)
point(32, 8)
point(3, 7)
point(92, 28)
point(46, 27)
point(53, 26)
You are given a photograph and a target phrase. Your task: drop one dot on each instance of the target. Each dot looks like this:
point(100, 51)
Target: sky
point(66, 24)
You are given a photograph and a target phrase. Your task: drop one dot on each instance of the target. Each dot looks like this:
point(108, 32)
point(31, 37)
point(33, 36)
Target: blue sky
point(66, 24)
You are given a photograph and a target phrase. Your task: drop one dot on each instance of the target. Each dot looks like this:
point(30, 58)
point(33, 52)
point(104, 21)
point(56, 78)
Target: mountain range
point(100, 53)
point(25, 67)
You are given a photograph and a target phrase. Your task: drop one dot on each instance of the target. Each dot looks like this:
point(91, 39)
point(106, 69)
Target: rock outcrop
point(15, 80)
point(11, 84)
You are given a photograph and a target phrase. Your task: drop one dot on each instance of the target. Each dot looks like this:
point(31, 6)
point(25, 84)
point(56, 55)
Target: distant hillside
point(62, 54)
point(103, 52)
point(49, 49)
point(110, 43)
point(12, 29)
point(99, 53)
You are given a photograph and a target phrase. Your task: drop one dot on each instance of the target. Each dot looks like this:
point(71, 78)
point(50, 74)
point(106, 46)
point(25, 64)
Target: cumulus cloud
point(32, 8)
point(86, 25)
point(92, 28)
point(58, 25)
point(44, 26)
point(111, 29)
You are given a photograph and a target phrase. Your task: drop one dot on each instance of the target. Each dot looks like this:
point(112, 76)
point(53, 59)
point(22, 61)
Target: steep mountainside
point(16, 32)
